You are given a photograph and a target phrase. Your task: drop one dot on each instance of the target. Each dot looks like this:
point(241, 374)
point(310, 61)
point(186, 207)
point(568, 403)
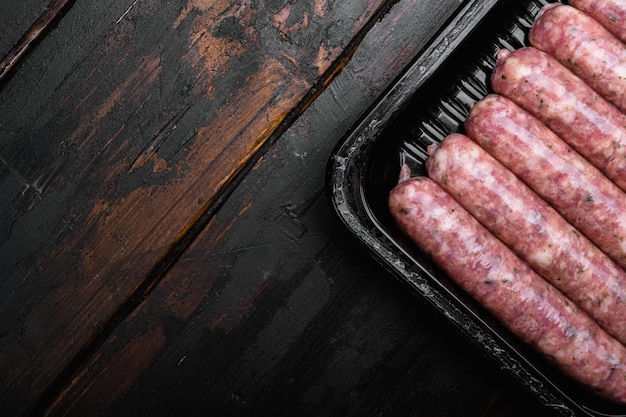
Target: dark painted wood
point(22, 22)
point(118, 132)
point(274, 310)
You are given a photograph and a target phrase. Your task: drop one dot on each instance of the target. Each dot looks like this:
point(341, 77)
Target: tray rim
point(345, 193)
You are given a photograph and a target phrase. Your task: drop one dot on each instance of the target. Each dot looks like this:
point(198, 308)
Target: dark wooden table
point(166, 245)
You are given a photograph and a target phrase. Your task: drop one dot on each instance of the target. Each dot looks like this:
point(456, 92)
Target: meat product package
point(430, 101)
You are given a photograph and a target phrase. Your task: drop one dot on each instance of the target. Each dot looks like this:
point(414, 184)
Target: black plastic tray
point(429, 101)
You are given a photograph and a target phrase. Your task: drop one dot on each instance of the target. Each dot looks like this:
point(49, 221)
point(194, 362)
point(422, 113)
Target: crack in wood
point(41, 26)
point(126, 12)
point(150, 151)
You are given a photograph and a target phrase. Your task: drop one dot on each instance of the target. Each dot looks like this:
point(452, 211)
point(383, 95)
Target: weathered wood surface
point(121, 129)
point(157, 125)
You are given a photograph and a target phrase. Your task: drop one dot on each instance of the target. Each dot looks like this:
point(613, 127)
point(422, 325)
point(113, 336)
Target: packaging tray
point(430, 100)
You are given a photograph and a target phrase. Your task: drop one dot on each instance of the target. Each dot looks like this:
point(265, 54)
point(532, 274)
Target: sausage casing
point(585, 47)
point(577, 190)
point(532, 229)
point(506, 286)
point(573, 110)
point(610, 13)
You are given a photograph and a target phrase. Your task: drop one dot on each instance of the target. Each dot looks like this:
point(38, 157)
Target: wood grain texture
point(144, 113)
point(273, 310)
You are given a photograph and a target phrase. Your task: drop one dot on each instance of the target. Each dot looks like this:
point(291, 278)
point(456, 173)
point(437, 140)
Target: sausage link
point(532, 229)
point(585, 47)
point(506, 286)
point(574, 111)
point(577, 190)
point(610, 13)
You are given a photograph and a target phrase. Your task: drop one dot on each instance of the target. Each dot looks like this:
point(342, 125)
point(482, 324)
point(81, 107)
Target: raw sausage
point(490, 272)
point(610, 13)
point(585, 47)
point(532, 229)
point(553, 94)
point(577, 190)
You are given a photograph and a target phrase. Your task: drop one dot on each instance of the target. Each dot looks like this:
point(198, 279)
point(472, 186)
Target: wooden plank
point(273, 310)
point(143, 116)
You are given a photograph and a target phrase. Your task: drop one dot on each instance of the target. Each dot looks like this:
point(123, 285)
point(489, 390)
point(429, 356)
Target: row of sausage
point(526, 210)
